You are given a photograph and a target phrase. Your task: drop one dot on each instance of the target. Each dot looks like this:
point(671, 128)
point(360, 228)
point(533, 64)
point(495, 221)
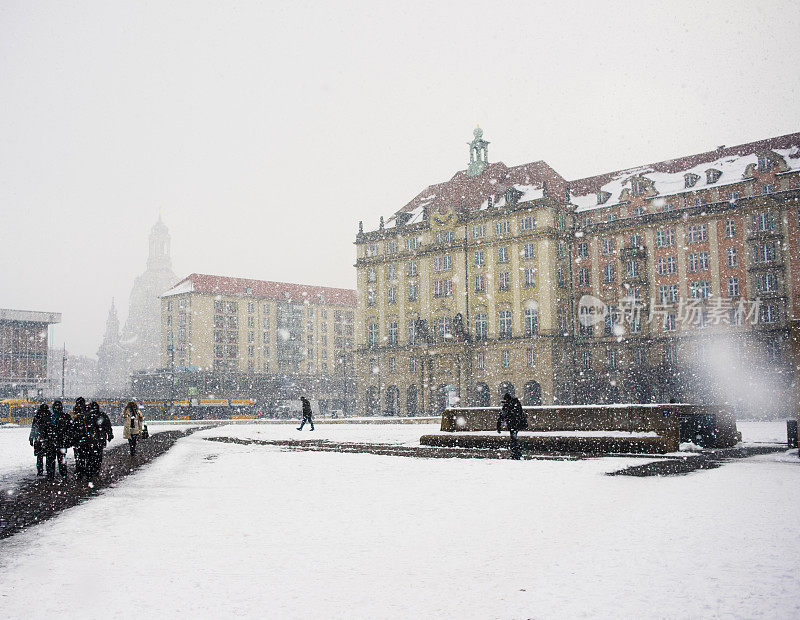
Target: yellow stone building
point(487, 283)
point(236, 336)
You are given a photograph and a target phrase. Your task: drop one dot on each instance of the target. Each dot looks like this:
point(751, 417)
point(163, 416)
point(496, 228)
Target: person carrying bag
point(133, 426)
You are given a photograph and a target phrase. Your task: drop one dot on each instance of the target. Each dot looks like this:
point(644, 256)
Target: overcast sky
point(265, 131)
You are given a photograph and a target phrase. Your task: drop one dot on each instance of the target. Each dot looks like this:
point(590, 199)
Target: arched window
point(411, 400)
point(483, 395)
point(506, 387)
point(533, 394)
point(392, 400)
point(372, 401)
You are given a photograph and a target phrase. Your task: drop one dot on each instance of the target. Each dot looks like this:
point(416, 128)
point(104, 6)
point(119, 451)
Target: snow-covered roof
point(471, 193)
point(669, 177)
point(264, 289)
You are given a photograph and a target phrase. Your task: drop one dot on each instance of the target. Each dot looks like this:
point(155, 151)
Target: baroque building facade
point(669, 281)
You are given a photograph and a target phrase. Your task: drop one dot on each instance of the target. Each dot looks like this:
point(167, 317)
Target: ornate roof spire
point(478, 153)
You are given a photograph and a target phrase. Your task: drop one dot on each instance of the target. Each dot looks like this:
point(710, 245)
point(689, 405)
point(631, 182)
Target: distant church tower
point(112, 370)
point(141, 336)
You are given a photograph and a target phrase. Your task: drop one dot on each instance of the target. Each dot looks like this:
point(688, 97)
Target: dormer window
point(637, 186)
point(690, 179)
point(491, 202)
point(764, 162)
point(712, 175)
point(602, 197)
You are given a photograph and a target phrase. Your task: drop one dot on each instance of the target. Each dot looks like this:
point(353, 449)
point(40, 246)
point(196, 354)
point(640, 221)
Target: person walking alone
point(514, 418)
point(132, 424)
point(306, 413)
point(41, 438)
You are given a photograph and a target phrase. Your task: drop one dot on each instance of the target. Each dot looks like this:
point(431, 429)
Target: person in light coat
point(132, 424)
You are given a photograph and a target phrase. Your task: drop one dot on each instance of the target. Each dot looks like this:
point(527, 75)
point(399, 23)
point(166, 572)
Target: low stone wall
point(555, 444)
point(659, 418)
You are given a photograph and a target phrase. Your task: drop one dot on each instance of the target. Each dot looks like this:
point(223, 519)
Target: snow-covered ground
point(216, 529)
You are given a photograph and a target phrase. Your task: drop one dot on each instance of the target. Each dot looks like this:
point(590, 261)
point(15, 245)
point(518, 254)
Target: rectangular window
point(527, 222)
point(479, 258)
point(503, 281)
point(505, 324)
point(442, 263)
point(583, 249)
point(733, 286)
point(562, 320)
point(443, 327)
point(730, 228)
point(502, 228)
point(442, 288)
point(530, 277)
point(698, 261)
point(412, 291)
point(251, 322)
point(607, 246)
point(412, 244)
point(480, 283)
point(632, 268)
point(372, 250)
point(732, 257)
point(412, 365)
point(480, 360)
point(391, 272)
point(769, 313)
point(529, 251)
point(391, 294)
point(671, 355)
point(560, 249)
point(531, 322)
point(412, 331)
point(670, 322)
point(612, 356)
point(505, 357)
point(665, 238)
point(372, 297)
point(765, 252)
point(372, 335)
point(639, 356)
point(561, 277)
point(502, 255)
point(635, 241)
point(586, 358)
point(391, 246)
point(411, 268)
point(530, 357)
point(583, 277)
point(480, 326)
point(479, 231)
point(609, 273)
point(696, 233)
point(391, 333)
point(372, 274)
point(444, 237)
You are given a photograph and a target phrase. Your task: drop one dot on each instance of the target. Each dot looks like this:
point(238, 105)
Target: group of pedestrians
point(87, 431)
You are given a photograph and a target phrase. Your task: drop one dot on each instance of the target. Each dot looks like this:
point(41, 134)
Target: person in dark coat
point(81, 437)
point(513, 417)
point(306, 413)
point(41, 437)
point(61, 425)
point(100, 434)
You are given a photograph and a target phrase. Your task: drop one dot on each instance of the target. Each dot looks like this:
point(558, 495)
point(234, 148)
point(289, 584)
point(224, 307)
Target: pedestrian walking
point(306, 413)
point(61, 425)
point(81, 438)
point(132, 424)
point(100, 433)
point(40, 437)
point(512, 415)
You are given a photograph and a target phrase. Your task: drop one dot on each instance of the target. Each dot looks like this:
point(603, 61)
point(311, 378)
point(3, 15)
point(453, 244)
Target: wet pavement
point(31, 500)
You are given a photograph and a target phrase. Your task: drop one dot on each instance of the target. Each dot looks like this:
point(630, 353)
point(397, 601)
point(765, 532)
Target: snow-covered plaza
point(224, 529)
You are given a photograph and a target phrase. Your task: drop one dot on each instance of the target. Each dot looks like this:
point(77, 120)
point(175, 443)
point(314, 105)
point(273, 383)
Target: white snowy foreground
point(215, 529)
